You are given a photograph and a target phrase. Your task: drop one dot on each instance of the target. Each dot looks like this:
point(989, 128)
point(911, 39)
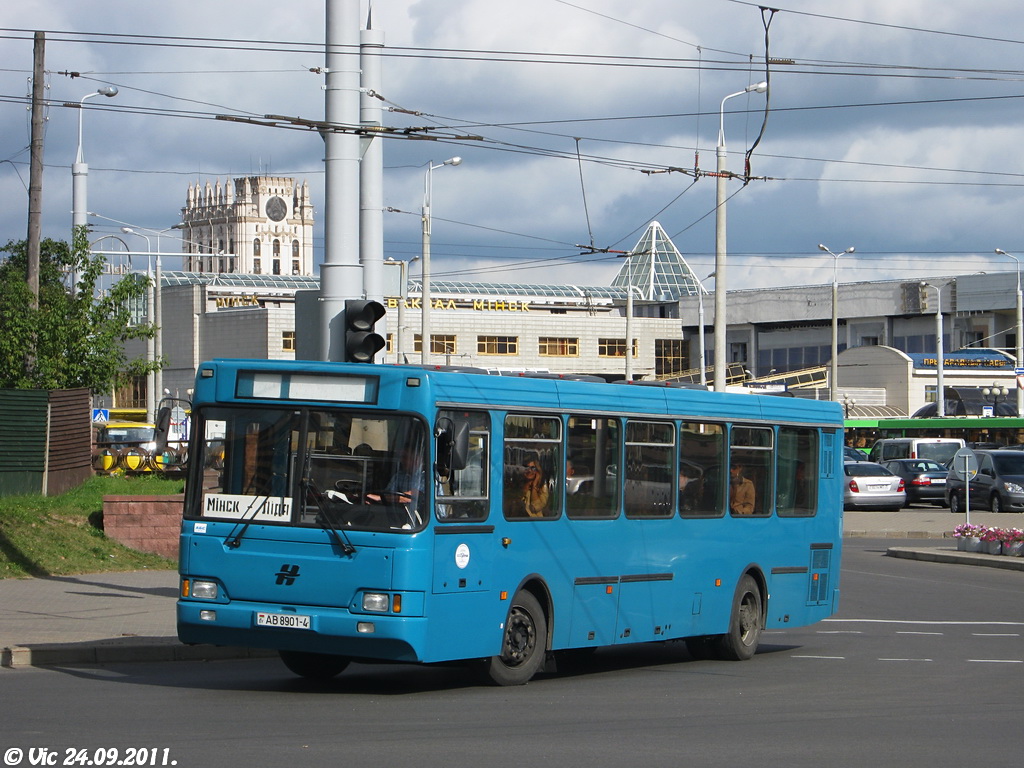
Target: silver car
point(872, 486)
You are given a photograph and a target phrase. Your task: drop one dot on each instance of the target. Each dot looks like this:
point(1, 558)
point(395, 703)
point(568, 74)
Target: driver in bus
point(406, 484)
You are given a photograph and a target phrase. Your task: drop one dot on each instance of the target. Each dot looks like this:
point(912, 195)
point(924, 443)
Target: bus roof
point(465, 387)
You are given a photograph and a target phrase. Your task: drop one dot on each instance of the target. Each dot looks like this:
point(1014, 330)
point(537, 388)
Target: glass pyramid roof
point(656, 269)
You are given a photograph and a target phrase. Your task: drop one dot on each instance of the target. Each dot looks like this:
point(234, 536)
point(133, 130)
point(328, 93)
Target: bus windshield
point(306, 467)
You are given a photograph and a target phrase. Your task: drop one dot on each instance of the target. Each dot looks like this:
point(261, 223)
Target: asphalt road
point(923, 666)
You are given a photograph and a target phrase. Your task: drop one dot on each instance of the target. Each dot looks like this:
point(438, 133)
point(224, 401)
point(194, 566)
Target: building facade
point(251, 225)
point(248, 291)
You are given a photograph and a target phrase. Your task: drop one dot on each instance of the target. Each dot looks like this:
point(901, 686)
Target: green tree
point(73, 339)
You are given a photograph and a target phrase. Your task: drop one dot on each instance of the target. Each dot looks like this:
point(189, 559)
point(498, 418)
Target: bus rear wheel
point(315, 666)
point(523, 644)
point(740, 642)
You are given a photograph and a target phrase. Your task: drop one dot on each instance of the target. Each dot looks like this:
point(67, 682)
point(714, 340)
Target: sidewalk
point(118, 617)
point(96, 618)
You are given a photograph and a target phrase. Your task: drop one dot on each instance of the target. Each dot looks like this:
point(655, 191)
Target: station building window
point(550, 346)
point(497, 345)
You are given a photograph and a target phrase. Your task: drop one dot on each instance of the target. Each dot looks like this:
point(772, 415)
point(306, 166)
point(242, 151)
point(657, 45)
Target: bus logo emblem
point(287, 575)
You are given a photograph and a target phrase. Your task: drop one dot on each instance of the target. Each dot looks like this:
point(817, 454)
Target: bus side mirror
point(163, 427)
point(452, 447)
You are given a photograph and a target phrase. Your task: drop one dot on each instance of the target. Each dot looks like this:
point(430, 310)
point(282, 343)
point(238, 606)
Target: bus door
point(464, 542)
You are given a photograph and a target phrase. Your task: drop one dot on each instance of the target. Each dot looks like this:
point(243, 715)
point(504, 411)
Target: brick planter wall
point(146, 523)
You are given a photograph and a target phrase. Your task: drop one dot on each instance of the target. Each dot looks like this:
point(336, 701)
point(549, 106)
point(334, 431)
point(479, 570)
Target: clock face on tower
point(276, 208)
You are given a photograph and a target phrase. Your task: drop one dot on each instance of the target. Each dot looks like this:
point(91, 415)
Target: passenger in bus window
point(532, 496)
point(741, 492)
point(689, 488)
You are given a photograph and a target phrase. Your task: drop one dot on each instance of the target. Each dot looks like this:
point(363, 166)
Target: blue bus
point(342, 512)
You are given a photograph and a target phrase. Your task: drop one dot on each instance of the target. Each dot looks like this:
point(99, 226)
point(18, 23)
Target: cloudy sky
point(891, 127)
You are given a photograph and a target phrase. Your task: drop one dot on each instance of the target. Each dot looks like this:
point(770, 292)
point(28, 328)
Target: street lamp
point(849, 404)
point(629, 315)
point(995, 392)
point(428, 181)
point(151, 351)
point(720, 256)
point(403, 293)
point(940, 390)
point(701, 290)
point(80, 174)
point(1020, 330)
point(834, 374)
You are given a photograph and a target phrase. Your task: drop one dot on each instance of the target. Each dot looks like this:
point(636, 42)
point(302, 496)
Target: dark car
point(925, 479)
point(852, 454)
point(998, 486)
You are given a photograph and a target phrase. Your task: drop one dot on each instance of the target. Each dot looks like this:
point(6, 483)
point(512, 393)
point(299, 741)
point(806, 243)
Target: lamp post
point(151, 388)
point(629, 317)
point(403, 296)
point(834, 372)
point(995, 392)
point(940, 390)
point(1020, 329)
point(849, 404)
point(80, 175)
point(720, 255)
point(701, 290)
point(428, 181)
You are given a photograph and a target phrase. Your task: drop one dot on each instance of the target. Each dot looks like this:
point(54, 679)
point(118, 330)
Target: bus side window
point(533, 468)
point(751, 471)
point(650, 454)
point(797, 481)
point(701, 469)
point(592, 488)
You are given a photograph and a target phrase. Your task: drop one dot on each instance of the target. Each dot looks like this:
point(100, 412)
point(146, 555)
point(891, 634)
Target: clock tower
point(250, 225)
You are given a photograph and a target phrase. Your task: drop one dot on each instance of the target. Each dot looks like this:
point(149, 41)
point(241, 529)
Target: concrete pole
point(700, 330)
point(340, 274)
point(1020, 343)
point(720, 271)
point(833, 383)
point(629, 318)
point(371, 174)
point(35, 178)
point(425, 270)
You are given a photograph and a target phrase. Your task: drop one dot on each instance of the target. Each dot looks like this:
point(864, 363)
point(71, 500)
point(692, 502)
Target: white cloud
point(141, 163)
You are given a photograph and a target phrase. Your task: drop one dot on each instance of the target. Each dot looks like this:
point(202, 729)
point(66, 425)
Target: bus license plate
point(287, 620)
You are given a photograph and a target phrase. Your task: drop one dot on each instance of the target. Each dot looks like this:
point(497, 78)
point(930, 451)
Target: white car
point(872, 486)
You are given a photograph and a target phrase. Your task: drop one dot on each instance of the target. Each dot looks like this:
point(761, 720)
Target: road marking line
point(908, 632)
point(996, 661)
point(995, 634)
point(931, 623)
point(904, 659)
point(799, 656)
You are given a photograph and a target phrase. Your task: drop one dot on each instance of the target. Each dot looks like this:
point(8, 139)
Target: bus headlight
point(375, 601)
point(205, 590)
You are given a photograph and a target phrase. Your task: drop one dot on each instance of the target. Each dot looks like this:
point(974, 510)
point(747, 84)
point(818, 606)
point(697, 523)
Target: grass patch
point(61, 535)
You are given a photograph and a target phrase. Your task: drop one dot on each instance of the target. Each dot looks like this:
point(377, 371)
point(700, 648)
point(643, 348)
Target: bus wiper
point(234, 540)
point(323, 518)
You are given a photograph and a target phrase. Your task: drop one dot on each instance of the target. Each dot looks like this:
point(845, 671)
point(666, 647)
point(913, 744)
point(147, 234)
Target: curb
point(957, 557)
point(896, 535)
point(111, 651)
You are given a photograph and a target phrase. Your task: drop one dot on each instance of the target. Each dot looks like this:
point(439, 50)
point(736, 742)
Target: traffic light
point(361, 343)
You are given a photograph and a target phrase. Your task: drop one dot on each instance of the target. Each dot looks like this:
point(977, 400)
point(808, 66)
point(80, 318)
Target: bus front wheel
point(523, 645)
point(740, 642)
point(315, 666)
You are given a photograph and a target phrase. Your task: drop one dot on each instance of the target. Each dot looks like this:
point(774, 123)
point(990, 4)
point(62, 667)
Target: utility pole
point(35, 183)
